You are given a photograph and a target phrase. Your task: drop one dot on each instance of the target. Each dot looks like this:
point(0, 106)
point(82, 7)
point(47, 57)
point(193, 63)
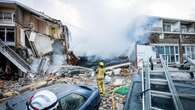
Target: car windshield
point(71, 102)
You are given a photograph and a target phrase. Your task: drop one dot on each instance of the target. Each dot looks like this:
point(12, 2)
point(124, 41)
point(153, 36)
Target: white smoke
point(107, 27)
point(58, 54)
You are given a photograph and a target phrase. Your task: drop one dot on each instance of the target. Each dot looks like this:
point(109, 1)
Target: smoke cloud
point(109, 27)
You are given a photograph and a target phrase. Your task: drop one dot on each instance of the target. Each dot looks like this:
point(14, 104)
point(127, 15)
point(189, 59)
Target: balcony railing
point(7, 22)
point(7, 18)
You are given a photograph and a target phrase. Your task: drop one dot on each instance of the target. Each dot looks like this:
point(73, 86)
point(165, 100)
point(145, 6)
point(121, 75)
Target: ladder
point(14, 57)
point(159, 92)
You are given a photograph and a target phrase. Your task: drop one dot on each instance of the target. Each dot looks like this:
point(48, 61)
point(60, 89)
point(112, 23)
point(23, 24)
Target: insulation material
point(32, 36)
point(42, 43)
point(22, 37)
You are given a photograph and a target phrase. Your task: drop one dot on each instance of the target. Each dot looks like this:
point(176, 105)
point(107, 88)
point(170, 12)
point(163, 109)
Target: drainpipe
point(180, 45)
point(180, 50)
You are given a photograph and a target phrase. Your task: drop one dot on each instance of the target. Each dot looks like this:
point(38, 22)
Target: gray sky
point(101, 27)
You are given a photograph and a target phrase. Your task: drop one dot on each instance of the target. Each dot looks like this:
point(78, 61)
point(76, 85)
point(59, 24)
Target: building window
point(1, 16)
point(184, 29)
point(193, 52)
point(167, 27)
point(2, 34)
point(7, 34)
point(6, 17)
point(10, 35)
point(161, 50)
point(169, 53)
point(176, 49)
point(189, 51)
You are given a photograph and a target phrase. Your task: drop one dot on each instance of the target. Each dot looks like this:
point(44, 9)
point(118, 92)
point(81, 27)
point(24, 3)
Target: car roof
point(59, 89)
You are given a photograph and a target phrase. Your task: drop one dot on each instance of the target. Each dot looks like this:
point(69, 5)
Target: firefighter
point(43, 100)
point(151, 63)
point(100, 75)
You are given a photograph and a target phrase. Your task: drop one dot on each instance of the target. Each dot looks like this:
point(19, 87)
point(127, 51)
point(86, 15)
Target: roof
point(37, 13)
point(173, 19)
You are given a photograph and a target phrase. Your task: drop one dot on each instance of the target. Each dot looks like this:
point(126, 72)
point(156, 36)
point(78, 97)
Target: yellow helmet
point(101, 64)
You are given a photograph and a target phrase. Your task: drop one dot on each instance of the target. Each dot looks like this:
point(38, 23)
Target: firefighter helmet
point(43, 100)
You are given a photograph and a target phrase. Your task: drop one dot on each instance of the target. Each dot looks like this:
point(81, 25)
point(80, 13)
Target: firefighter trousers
point(100, 84)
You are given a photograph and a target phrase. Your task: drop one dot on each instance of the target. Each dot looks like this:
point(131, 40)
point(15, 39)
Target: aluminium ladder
point(158, 90)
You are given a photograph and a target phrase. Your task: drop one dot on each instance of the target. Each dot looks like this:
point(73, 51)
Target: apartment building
point(26, 33)
point(174, 39)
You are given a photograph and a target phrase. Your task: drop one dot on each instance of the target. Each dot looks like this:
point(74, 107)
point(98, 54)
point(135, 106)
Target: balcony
point(171, 27)
point(187, 30)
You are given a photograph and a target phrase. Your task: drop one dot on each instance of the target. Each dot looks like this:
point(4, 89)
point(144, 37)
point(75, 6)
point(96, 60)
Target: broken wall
point(43, 43)
point(38, 24)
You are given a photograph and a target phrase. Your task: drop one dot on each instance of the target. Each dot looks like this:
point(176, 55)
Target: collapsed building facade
point(27, 34)
point(174, 39)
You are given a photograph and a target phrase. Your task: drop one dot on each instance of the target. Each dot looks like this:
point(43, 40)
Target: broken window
point(72, 102)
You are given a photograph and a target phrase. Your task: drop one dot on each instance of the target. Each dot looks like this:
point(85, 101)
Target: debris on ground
point(9, 89)
point(113, 100)
point(123, 90)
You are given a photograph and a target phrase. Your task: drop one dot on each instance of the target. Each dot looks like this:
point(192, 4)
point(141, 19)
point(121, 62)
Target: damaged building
point(26, 35)
point(174, 39)
point(166, 66)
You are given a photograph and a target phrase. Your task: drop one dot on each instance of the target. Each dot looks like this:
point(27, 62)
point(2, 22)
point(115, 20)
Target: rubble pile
point(113, 80)
point(113, 100)
point(11, 88)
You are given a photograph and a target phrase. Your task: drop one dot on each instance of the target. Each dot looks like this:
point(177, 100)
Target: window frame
point(6, 30)
point(169, 53)
point(166, 27)
point(6, 20)
point(85, 99)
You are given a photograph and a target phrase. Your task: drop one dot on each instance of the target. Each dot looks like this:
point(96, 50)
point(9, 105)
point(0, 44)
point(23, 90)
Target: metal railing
point(8, 52)
point(147, 91)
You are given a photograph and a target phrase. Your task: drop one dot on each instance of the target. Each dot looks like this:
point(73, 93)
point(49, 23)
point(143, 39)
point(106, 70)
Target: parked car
point(70, 97)
point(69, 70)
